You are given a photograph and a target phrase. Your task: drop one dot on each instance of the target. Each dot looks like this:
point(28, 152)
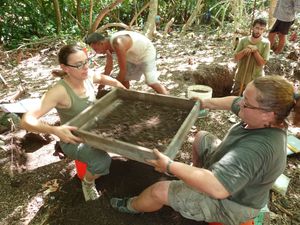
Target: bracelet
point(168, 167)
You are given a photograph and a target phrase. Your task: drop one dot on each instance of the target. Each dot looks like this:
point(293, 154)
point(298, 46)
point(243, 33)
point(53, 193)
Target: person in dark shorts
point(285, 16)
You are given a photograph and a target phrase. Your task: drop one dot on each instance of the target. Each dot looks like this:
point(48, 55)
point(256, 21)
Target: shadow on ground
point(126, 178)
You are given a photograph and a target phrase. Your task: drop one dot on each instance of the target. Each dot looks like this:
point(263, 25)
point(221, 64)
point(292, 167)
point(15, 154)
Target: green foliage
point(259, 4)
point(24, 19)
point(180, 10)
point(221, 9)
point(30, 20)
point(8, 119)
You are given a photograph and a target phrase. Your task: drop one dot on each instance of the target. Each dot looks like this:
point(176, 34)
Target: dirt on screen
point(142, 123)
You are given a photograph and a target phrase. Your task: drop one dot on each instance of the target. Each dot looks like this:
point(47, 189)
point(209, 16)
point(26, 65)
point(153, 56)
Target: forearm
point(241, 54)
point(259, 59)
point(109, 64)
point(121, 75)
point(107, 69)
point(217, 103)
point(201, 179)
point(33, 124)
point(107, 80)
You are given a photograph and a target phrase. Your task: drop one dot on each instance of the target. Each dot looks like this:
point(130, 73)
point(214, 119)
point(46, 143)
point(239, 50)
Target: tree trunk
point(139, 13)
point(168, 26)
point(171, 11)
point(149, 28)
point(91, 13)
point(78, 10)
point(57, 15)
point(237, 10)
point(271, 20)
point(193, 17)
point(77, 22)
point(102, 13)
point(123, 25)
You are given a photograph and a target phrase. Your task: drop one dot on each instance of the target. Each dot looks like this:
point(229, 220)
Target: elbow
point(220, 194)
point(27, 121)
point(23, 123)
point(261, 61)
point(23, 120)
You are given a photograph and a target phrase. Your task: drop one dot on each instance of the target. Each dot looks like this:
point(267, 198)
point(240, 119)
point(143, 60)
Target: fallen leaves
point(51, 186)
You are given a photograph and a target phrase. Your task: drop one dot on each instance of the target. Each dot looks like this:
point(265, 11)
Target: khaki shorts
point(135, 71)
point(198, 206)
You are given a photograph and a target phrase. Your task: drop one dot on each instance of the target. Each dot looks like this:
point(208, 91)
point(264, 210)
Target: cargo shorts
point(195, 205)
point(198, 206)
point(135, 71)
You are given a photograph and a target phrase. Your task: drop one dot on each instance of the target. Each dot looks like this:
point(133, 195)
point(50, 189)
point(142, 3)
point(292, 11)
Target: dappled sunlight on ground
point(23, 198)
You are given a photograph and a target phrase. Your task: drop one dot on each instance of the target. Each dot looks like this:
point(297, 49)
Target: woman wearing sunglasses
point(69, 96)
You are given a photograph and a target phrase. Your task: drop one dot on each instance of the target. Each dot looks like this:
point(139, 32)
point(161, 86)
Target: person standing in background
point(284, 13)
point(251, 53)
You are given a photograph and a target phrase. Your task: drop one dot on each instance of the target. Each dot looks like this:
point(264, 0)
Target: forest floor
point(38, 188)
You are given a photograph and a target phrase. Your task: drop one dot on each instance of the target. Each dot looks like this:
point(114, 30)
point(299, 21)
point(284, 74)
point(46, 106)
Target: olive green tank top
point(78, 104)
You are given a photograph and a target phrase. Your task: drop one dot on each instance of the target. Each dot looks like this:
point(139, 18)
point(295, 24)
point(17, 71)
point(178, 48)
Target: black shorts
point(281, 27)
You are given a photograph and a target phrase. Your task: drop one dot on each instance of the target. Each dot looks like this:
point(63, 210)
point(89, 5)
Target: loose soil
point(148, 124)
point(38, 188)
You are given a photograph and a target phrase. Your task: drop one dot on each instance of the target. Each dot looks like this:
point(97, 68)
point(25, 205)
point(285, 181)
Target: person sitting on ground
point(252, 53)
point(284, 13)
point(230, 180)
point(70, 95)
point(135, 54)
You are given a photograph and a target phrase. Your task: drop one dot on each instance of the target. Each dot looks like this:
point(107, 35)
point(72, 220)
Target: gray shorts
point(198, 206)
point(98, 162)
point(135, 71)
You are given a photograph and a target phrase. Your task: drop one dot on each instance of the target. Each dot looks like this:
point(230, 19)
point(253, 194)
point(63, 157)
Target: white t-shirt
point(142, 49)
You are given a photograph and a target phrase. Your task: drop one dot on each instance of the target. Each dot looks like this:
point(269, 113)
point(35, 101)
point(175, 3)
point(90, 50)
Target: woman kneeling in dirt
point(72, 94)
point(231, 179)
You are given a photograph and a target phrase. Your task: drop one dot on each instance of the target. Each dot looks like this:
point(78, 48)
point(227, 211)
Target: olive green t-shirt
point(253, 70)
point(248, 161)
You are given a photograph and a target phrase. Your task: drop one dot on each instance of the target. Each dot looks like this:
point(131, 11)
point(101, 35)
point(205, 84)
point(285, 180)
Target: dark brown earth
point(127, 178)
point(148, 124)
point(38, 188)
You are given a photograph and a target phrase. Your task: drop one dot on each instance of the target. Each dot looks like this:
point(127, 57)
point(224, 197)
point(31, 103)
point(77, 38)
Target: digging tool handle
point(244, 75)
